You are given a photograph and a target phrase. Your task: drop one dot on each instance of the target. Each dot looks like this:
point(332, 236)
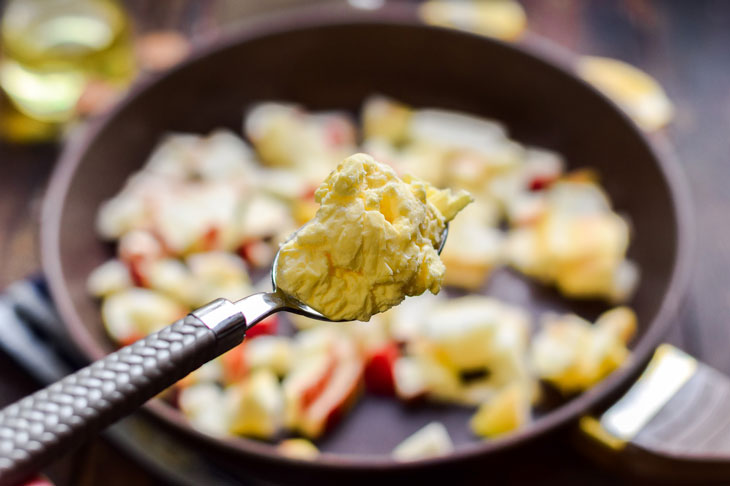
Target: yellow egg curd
point(372, 242)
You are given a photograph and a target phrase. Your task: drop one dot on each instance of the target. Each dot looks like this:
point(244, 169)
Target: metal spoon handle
point(41, 426)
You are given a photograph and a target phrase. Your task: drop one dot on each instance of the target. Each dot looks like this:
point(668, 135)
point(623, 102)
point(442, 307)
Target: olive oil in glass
point(51, 48)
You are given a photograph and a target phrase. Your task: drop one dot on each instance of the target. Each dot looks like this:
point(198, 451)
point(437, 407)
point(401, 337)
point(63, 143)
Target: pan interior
point(336, 67)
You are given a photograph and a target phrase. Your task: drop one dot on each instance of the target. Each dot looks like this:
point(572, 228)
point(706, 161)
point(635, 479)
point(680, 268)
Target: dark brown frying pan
point(335, 59)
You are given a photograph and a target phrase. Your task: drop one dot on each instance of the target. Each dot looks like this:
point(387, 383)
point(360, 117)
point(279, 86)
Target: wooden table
point(686, 45)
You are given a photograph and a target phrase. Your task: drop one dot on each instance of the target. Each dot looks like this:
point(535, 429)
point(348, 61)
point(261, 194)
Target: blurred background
point(48, 95)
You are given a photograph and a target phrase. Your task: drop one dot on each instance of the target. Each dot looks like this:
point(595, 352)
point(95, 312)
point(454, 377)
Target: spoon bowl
point(278, 300)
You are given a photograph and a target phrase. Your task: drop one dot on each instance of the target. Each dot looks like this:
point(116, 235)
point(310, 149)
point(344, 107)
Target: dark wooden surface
point(685, 44)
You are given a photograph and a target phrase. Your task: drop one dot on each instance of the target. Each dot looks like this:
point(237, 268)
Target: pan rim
point(538, 50)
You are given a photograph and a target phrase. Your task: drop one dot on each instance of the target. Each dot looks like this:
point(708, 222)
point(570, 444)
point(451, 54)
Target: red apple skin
point(539, 183)
point(338, 412)
point(314, 390)
point(266, 327)
point(211, 239)
point(379, 377)
point(344, 402)
point(234, 364)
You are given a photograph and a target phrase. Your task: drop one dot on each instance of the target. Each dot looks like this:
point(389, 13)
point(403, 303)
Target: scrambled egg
point(372, 242)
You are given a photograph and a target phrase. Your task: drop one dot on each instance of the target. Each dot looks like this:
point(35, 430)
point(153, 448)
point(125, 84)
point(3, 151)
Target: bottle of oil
point(52, 48)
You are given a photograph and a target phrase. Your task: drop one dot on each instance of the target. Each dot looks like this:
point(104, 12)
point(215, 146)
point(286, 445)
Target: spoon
point(41, 426)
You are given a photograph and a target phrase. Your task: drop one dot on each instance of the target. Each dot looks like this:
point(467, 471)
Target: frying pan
point(333, 59)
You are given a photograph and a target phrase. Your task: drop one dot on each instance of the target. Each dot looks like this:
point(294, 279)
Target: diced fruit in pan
point(406, 319)
point(312, 144)
point(219, 275)
point(138, 249)
point(507, 411)
point(335, 400)
point(315, 362)
point(172, 278)
point(379, 369)
point(303, 210)
point(323, 386)
point(462, 331)
point(221, 155)
point(572, 354)
point(265, 327)
point(205, 209)
point(119, 215)
point(298, 449)
point(234, 364)
point(430, 441)
point(455, 129)
point(258, 405)
point(264, 216)
point(210, 372)
point(136, 312)
point(386, 119)
point(305, 383)
point(621, 321)
point(637, 93)
point(421, 376)
point(109, 277)
point(282, 183)
point(204, 405)
point(577, 243)
point(197, 216)
point(265, 351)
point(271, 352)
point(473, 251)
point(368, 337)
point(257, 253)
point(409, 379)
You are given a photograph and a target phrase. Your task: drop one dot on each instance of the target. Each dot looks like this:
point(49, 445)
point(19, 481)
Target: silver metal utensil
point(39, 427)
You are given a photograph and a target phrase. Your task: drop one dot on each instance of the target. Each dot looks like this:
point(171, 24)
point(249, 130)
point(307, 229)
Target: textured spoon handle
point(39, 427)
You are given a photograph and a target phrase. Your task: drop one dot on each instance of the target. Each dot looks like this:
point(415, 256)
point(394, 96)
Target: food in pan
point(372, 242)
point(207, 213)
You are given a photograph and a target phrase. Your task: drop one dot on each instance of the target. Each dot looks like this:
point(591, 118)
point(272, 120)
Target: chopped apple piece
point(305, 383)
point(173, 278)
point(265, 327)
point(136, 312)
point(431, 440)
point(385, 119)
point(204, 405)
point(120, 215)
point(338, 395)
point(219, 275)
point(272, 352)
point(406, 320)
point(573, 355)
point(298, 449)
point(507, 411)
point(109, 277)
point(138, 249)
point(621, 321)
point(462, 331)
point(409, 379)
point(379, 370)
point(258, 405)
point(472, 253)
point(264, 216)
